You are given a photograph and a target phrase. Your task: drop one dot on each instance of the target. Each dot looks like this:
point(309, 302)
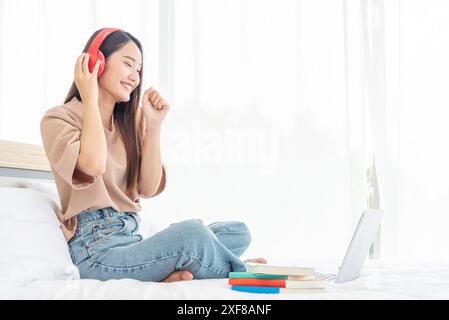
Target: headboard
point(22, 161)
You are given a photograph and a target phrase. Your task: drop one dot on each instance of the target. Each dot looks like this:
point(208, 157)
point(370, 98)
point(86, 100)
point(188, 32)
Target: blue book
point(254, 289)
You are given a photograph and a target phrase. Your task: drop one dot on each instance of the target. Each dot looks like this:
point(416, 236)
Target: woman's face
point(121, 73)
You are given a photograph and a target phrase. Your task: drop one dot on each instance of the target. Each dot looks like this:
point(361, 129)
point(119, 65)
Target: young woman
point(104, 150)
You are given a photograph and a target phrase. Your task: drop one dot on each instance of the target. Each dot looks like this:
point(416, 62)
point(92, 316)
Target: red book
point(306, 284)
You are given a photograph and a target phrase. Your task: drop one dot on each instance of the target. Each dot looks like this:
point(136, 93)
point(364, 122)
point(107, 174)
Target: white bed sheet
point(377, 281)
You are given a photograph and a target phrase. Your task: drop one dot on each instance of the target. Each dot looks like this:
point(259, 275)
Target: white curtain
point(277, 107)
point(266, 125)
point(412, 150)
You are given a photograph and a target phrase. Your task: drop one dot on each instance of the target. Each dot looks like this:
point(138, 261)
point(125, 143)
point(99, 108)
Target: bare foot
point(257, 260)
point(179, 276)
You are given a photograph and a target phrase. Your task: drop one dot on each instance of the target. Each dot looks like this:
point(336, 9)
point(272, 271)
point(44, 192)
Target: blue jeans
point(107, 245)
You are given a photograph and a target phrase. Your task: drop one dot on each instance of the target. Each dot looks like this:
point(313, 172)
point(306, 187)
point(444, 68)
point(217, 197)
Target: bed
point(35, 263)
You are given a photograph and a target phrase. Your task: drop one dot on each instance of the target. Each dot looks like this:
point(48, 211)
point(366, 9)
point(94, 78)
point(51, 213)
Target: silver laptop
point(355, 256)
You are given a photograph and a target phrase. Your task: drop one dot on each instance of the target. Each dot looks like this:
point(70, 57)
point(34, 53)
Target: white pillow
point(47, 188)
point(148, 224)
point(32, 245)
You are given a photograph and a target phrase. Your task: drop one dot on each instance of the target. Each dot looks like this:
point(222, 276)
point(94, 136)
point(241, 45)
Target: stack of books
point(264, 278)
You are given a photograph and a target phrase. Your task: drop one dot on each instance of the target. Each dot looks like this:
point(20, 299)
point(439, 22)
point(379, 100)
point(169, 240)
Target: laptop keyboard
point(325, 276)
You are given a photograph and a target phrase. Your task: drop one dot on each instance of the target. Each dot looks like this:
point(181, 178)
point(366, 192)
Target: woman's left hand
point(154, 108)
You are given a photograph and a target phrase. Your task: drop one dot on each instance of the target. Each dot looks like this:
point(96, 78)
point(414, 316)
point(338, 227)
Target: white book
point(309, 284)
point(280, 270)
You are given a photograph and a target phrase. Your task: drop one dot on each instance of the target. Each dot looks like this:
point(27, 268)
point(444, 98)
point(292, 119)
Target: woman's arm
point(154, 109)
point(93, 147)
point(151, 166)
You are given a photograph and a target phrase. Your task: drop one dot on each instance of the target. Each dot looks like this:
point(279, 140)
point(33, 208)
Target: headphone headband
point(96, 43)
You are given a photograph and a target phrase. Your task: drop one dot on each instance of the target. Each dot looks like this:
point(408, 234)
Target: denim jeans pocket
point(106, 229)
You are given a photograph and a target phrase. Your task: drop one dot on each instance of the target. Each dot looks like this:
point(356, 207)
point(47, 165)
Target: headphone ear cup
point(102, 63)
point(92, 60)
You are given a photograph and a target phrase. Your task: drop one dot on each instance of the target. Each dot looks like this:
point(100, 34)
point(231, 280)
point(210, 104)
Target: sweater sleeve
point(61, 141)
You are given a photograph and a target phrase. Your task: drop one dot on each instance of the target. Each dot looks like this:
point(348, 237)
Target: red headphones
point(94, 50)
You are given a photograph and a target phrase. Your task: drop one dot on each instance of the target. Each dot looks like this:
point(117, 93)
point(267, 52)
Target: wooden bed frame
point(22, 161)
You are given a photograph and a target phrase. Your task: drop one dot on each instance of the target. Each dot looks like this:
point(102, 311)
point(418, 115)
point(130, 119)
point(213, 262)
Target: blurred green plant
point(373, 202)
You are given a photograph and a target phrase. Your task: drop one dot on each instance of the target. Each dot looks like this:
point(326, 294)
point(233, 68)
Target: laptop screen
point(361, 241)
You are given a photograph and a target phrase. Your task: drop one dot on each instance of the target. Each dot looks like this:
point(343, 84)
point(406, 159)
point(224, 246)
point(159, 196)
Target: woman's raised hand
point(86, 81)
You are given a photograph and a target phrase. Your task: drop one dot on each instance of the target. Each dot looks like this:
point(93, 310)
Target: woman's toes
point(257, 260)
point(186, 275)
point(179, 276)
